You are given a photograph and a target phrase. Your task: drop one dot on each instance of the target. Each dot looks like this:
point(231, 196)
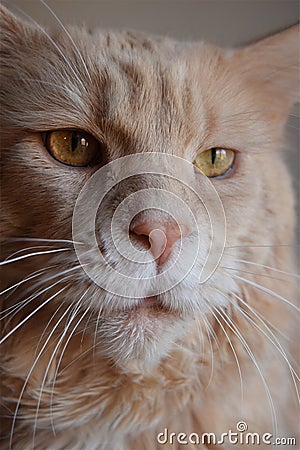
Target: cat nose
point(161, 237)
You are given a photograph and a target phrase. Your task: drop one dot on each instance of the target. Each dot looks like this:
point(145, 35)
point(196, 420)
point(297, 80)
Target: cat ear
point(271, 66)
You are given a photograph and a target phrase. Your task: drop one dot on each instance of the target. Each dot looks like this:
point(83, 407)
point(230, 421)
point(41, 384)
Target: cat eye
point(73, 147)
point(215, 162)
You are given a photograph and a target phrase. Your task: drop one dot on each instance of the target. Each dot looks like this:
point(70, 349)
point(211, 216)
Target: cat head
point(135, 146)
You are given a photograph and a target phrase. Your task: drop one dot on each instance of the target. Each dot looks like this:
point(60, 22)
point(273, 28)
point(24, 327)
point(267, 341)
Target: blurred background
point(224, 22)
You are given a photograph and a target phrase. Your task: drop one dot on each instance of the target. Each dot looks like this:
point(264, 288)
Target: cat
point(148, 271)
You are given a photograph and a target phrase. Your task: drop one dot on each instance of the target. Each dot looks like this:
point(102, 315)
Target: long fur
point(85, 369)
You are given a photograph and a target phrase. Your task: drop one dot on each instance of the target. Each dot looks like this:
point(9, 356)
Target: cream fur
point(118, 375)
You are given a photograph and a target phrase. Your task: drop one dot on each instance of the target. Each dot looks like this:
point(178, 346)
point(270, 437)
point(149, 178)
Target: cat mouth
point(150, 316)
point(143, 332)
point(150, 302)
point(153, 305)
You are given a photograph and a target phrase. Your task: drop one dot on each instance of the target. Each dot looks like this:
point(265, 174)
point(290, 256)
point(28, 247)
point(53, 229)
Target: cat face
point(147, 105)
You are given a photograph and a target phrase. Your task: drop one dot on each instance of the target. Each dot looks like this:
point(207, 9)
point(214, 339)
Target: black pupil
point(75, 140)
point(213, 155)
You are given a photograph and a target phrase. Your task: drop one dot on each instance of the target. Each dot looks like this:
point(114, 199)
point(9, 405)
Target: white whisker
point(48, 324)
point(263, 275)
point(31, 276)
point(77, 308)
point(25, 249)
point(47, 83)
point(71, 306)
point(259, 246)
point(232, 349)
point(238, 334)
point(85, 327)
point(267, 291)
point(201, 334)
point(20, 305)
point(208, 333)
point(30, 315)
point(56, 46)
point(70, 37)
point(65, 241)
point(96, 331)
point(274, 342)
point(274, 269)
point(32, 368)
point(52, 277)
point(8, 261)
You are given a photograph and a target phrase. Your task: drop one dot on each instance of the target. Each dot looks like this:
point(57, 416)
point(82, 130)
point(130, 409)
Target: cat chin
point(143, 335)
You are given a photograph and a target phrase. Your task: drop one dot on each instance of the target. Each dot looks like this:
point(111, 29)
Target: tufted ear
point(271, 66)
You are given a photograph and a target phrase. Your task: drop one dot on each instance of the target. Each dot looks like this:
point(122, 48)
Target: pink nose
point(160, 235)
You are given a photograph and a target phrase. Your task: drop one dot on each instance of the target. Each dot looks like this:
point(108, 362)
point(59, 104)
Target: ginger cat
point(149, 282)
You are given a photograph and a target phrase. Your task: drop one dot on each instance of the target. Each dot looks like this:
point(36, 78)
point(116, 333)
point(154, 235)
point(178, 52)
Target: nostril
point(140, 238)
point(154, 240)
point(158, 237)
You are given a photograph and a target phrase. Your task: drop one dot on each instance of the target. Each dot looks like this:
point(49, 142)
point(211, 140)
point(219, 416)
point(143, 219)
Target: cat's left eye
point(215, 162)
point(73, 147)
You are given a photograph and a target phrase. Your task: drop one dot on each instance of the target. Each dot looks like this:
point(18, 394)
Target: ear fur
point(271, 65)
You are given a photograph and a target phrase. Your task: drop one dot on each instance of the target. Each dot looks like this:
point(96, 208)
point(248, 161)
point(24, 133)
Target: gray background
point(224, 22)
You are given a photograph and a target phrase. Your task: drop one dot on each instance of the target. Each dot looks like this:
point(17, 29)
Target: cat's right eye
point(73, 147)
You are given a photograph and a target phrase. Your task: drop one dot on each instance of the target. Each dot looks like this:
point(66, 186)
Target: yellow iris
point(215, 162)
point(72, 147)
